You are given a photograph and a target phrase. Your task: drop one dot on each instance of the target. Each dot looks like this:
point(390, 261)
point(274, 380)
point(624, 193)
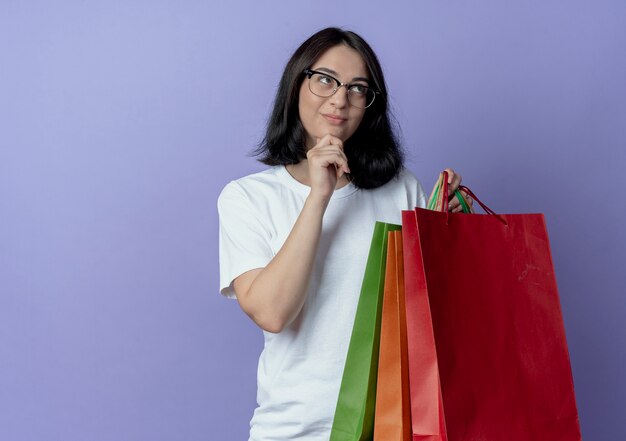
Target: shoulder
point(250, 186)
point(405, 175)
point(405, 179)
point(404, 186)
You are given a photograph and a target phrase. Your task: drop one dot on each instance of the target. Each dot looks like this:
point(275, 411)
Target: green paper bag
point(354, 415)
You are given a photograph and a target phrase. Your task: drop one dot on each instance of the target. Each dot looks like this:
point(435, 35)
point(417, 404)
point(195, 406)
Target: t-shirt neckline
point(303, 189)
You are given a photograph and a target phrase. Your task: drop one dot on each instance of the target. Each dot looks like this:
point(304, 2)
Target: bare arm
point(273, 296)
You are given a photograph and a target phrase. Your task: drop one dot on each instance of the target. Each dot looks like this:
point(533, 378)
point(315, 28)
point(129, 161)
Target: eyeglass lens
point(324, 86)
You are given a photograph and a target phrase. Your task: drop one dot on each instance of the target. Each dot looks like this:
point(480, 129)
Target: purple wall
point(122, 120)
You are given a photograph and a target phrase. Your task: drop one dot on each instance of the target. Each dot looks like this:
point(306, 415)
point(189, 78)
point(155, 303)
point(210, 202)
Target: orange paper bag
point(392, 421)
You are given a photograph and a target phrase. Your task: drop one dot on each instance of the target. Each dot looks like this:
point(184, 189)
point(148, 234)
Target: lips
point(334, 119)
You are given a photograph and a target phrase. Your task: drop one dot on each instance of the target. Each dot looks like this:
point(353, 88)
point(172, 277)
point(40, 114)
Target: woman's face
point(333, 115)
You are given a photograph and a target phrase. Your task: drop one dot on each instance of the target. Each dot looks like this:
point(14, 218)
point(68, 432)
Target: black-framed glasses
point(325, 85)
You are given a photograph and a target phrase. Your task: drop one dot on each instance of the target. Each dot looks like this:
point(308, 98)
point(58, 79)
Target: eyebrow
point(332, 72)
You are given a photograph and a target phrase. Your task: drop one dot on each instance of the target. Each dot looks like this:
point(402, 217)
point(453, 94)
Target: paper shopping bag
point(427, 418)
point(392, 420)
point(354, 414)
point(501, 353)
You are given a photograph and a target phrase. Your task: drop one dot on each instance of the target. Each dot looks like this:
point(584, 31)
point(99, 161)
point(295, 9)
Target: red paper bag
point(500, 356)
point(427, 422)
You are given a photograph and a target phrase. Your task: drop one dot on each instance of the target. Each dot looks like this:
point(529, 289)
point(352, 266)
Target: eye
point(325, 80)
point(358, 89)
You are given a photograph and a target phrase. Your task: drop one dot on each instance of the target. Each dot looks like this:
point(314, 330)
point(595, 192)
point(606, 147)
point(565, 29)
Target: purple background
point(122, 120)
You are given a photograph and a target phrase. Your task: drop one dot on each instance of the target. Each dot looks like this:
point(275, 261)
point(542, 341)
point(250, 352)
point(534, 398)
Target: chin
point(341, 134)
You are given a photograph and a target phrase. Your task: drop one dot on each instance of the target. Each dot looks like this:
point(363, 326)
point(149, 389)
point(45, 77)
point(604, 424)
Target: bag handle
point(441, 203)
point(439, 198)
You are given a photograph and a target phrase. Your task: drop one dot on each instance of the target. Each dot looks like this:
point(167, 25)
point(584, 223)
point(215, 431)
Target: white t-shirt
point(300, 368)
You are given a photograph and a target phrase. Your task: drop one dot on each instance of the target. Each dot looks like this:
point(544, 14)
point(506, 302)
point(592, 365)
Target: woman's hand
point(327, 163)
point(454, 180)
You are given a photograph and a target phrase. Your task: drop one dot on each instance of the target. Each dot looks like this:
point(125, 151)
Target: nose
point(340, 98)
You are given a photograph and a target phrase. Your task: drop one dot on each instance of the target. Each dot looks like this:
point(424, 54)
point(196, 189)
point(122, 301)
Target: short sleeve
point(415, 192)
point(244, 242)
point(421, 199)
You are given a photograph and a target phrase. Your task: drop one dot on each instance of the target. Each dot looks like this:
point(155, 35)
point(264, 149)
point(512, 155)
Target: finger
point(320, 142)
point(454, 180)
point(329, 139)
point(335, 141)
point(467, 198)
point(458, 207)
point(454, 205)
point(332, 150)
point(327, 150)
point(340, 171)
point(326, 157)
point(469, 201)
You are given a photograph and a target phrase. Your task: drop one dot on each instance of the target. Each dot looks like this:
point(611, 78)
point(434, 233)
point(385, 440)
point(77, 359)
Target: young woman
point(294, 238)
